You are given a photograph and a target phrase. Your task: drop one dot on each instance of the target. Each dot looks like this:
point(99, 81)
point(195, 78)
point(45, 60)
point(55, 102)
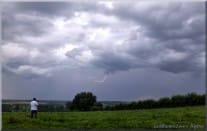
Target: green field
point(186, 117)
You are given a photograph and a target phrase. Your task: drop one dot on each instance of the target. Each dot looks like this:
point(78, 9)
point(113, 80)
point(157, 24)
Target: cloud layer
point(167, 36)
point(43, 38)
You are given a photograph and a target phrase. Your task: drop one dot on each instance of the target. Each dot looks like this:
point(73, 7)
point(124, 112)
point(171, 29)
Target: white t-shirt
point(34, 105)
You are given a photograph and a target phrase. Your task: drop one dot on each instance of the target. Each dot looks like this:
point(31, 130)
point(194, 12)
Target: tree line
point(86, 101)
point(191, 99)
point(26, 108)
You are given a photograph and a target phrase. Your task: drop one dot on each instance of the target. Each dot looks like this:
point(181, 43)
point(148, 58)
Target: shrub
point(13, 120)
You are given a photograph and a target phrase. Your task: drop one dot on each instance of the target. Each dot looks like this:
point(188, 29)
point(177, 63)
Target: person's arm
point(37, 104)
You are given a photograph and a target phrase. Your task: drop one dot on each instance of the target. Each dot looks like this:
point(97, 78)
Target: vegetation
point(84, 101)
point(191, 99)
point(184, 117)
point(141, 114)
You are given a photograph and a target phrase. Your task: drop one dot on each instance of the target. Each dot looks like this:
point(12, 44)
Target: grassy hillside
point(185, 117)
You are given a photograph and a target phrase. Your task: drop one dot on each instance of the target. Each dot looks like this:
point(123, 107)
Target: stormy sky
point(117, 50)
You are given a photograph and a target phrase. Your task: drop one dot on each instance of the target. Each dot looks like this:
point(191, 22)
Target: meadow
point(183, 117)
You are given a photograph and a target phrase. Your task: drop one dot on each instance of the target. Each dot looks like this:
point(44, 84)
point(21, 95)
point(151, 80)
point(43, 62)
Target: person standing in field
point(34, 108)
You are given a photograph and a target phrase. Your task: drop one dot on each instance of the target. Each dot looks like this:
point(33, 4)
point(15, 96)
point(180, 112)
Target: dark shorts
point(33, 113)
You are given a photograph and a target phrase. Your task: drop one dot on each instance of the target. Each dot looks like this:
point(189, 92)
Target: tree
point(83, 101)
point(147, 104)
point(97, 106)
point(178, 100)
point(6, 108)
point(68, 105)
point(164, 102)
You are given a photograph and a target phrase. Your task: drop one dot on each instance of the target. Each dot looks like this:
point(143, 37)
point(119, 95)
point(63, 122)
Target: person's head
point(34, 99)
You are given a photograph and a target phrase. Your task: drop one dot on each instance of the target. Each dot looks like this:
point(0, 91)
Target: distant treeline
point(26, 107)
point(191, 99)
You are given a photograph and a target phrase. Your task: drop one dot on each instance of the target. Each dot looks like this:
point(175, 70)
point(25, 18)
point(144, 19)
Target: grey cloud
point(163, 25)
point(112, 62)
point(178, 26)
point(137, 42)
point(180, 66)
point(43, 8)
point(14, 26)
point(10, 72)
point(165, 20)
point(56, 9)
point(75, 52)
point(106, 60)
point(157, 50)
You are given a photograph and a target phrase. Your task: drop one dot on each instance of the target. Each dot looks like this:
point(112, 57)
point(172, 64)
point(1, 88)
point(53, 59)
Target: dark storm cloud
point(178, 27)
point(56, 9)
point(7, 70)
point(44, 8)
point(175, 55)
point(68, 47)
point(184, 65)
point(112, 62)
point(167, 20)
point(34, 18)
point(13, 28)
point(16, 24)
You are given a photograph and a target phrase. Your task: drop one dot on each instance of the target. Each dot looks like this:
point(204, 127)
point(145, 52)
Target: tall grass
point(186, 117)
